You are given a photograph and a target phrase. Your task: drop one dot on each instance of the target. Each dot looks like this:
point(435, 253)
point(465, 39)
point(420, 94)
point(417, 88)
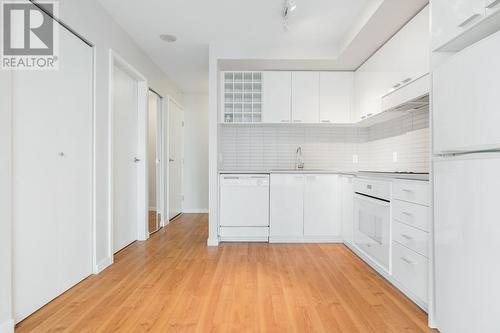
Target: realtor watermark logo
point(30, 38)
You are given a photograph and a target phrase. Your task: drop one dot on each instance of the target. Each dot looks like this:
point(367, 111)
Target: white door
point(335, 96)
point(321, 206)
point(286, 207)
point(465, 99)
point(125, 170)
point(52, 177)
point(305, 97)
point(277, 90)
point(176, 148)
point(466, 233)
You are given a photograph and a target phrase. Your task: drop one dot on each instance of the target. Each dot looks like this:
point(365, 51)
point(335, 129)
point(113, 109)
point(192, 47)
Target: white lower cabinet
point(411, 270)
point(347, 208)
point(304, 208)
point(286, 207)
point(322, 206)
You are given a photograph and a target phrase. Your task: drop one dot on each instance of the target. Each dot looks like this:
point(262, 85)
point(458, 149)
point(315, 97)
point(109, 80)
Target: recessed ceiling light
point(168, 38)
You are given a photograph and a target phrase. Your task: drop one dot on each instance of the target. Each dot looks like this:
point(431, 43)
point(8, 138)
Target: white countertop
point(388, 175)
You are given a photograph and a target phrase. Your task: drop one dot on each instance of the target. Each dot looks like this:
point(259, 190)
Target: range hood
point(410, 97)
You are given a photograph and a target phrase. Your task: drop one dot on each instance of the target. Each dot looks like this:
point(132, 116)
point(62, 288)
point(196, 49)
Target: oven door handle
point(371, 200)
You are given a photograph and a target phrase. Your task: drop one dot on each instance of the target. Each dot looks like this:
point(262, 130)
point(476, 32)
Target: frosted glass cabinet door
point(465, 100)
point(277, 90)
point(305, 97)
point(286, 206)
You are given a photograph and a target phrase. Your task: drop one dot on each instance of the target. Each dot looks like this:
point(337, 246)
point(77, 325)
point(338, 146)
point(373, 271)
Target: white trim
point(195, 211)
point(94, 160)
point(142, 100)
point(103, 264)
point(7, 326)
point(212, 242)
point(306, 240)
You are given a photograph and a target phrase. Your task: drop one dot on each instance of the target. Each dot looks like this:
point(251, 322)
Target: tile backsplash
point(400, 144)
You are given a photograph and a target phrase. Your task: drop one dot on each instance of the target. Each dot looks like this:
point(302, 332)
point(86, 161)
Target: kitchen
point(319, 157)
point(347, 156)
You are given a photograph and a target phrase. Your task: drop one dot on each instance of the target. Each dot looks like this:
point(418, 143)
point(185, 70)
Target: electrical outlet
point(395, 156)
point(355, 159)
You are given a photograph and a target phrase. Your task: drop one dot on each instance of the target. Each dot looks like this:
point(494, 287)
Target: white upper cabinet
point(465, 99)
point(335, 96)
point(450, 18)
point(322, 217)
point(305, 97)
point(277, 94)
point(403, 59)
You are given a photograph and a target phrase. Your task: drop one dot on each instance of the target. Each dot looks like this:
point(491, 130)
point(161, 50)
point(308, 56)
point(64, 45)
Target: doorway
point(176, 158)
point(155, 162)
point(128, 188)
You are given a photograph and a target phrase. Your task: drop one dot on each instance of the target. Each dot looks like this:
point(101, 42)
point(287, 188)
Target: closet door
point(52, 177)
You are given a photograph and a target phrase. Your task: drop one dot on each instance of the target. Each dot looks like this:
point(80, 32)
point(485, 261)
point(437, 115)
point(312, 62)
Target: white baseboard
point(306, 240)
point(103, 264)
point(213, 242)
point(195, 211)
point(7, 326)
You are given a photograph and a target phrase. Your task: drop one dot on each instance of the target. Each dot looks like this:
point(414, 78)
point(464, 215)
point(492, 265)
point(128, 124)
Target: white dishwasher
point(244, 208)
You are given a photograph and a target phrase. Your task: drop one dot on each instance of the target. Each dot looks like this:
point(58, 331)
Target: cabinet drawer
point(411, 214)
point(410, 269)
point(416, 192)
point(415, 239)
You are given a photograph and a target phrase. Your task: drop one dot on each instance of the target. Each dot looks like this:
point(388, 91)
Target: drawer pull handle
point(408, 261)
point(407, 237)
point(408, 190)
point(407, 214)
point(469, 20)
point(407, 80)
point(493, 4)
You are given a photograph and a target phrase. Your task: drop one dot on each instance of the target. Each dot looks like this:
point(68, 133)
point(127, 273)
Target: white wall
point(6, 321)
point(89, 19)
point(195, 153)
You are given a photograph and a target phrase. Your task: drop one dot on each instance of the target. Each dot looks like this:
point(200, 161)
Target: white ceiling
point(246, 29)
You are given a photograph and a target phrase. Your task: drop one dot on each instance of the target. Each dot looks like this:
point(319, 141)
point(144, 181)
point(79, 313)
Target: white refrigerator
point(466, 165)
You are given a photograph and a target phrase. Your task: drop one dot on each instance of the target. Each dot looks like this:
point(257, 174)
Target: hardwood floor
point(175, 283)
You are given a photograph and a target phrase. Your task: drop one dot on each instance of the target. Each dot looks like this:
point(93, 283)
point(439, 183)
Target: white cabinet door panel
point(465, 99)
point(305, 97)
point(286, 206)
point(467, 243)
point(451, 17)
point(277, 90)
point(322, 206)
point(347, 208)
point(336, 90)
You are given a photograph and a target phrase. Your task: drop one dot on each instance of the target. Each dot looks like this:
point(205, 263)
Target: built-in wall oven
point(372, 219)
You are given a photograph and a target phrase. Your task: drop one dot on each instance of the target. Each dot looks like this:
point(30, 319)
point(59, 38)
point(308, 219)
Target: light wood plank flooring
point(175, 283)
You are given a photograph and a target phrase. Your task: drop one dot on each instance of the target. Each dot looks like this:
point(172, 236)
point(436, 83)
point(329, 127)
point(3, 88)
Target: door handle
point(408, 261)
point(493, 4)
point(171, 160)
point(136, 159)
point(468, 20)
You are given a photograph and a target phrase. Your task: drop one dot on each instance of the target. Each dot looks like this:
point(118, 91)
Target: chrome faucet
point(299, 163)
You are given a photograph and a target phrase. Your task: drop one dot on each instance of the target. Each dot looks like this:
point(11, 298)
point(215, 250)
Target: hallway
point(175, 283)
